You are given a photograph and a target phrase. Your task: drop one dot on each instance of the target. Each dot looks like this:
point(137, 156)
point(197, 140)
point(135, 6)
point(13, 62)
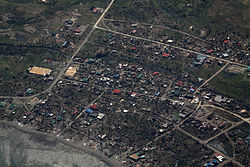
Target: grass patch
point(235, 86)
point(13, 67)
point(223, 141)
point(225, 115)
point(201, 72)
point(214, 15)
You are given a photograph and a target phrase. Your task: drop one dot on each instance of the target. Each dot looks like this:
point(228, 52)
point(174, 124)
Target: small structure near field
point(71, 71)
point(40, 71)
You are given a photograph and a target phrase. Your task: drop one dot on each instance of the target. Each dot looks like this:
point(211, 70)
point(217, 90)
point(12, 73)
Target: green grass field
point(236, 86)
point(210, 14)
point(202, 72)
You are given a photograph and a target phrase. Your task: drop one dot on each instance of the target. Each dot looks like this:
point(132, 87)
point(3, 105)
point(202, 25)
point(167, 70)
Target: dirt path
point(70, 61)
point(218, 72)
point(230, 112)
point(210, 147)
point(171, 46)
point(231, 142)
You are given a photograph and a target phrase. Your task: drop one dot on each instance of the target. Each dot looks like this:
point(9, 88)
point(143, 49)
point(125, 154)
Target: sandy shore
point(42, 147)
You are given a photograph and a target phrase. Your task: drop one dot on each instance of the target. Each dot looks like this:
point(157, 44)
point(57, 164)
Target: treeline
point(12, 49)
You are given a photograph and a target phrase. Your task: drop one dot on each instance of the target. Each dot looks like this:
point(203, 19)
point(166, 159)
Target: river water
point(19, 149)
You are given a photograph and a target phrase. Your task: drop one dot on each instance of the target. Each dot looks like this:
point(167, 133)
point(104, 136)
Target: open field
point(209, 14)
point(33, 33)
point(237, 86)
point(14, 64)
point(30, 21)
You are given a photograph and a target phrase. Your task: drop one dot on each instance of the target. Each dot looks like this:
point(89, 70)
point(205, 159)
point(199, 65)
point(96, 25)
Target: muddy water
point(19, 149)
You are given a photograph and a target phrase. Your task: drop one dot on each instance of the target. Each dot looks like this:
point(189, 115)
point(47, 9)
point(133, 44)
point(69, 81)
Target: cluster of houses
point(99, 90)
point(218, 158)
point(223, 45)
point(125, 88)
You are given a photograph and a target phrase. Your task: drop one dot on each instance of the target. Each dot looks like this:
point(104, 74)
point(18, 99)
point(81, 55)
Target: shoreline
point(81, 148)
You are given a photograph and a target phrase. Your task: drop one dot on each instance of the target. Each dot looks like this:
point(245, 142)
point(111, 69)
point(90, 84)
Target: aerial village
point(125, 96)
